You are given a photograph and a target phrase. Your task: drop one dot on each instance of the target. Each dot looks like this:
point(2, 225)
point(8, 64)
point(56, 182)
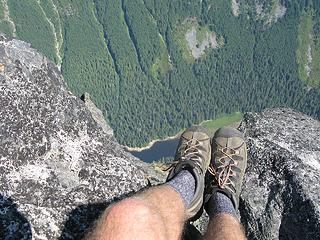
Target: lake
point(158, 150)
point(167, 148)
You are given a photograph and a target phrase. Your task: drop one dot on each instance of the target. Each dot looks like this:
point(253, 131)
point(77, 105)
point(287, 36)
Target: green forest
point(155, 67)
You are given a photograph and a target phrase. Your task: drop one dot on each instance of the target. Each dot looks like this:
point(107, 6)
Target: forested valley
point(155, 67)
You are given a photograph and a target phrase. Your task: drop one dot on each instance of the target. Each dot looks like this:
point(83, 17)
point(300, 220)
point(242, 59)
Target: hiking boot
point(228, 164)
point(193, 154)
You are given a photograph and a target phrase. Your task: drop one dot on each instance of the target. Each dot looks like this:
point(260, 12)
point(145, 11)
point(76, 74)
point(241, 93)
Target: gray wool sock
point(185, 184)
point(221, 203)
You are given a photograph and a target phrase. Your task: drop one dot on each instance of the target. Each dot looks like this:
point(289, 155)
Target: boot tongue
point(228, 150)
point(228, 143)
point(193, 141)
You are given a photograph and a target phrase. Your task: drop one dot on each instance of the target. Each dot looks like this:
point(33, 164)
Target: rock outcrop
point(96, 114)
point(59, 163)
point(281, 192)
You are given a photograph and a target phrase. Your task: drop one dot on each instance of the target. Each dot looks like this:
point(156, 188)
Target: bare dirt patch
point(235, 5)
point(198, 47)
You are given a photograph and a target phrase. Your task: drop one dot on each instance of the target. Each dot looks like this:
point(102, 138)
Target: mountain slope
point(135, 60)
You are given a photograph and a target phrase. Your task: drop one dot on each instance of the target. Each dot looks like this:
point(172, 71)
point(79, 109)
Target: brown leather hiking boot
point(228, 164)
point(193, 154)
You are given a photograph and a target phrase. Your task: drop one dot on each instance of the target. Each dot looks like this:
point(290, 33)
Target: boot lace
point(190, 154)
point(227, 166)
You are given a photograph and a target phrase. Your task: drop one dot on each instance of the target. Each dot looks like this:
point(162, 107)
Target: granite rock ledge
point(281, 191)
point(60, 166)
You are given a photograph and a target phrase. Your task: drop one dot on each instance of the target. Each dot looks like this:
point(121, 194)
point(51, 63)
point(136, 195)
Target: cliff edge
point(60, 165)
point(281, 191)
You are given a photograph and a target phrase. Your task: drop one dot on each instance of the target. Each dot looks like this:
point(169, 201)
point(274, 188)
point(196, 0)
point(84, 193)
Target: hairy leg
point(224, 227)
point(157, 213)
point(160, 212)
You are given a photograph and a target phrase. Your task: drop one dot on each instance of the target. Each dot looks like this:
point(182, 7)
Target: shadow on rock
point(13, 225)
point(82, 220)
point(191, 233)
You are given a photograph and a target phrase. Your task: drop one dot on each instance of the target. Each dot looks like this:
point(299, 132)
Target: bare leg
point(157, 213)
point(161, 212)
point(227, 169)
point(224, 227)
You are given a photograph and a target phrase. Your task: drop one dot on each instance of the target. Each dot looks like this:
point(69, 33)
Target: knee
point(129, 209)
point(127, 219)
point(131, 219)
